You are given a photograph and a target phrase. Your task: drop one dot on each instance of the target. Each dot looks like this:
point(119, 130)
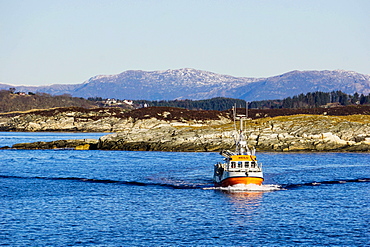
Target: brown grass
point(360, 114)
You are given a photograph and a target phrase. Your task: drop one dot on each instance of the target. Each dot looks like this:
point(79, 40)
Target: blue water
point(11, 138)
point(120, 198)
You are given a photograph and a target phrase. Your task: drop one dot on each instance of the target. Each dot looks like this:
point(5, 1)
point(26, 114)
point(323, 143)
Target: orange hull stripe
point(241, 180)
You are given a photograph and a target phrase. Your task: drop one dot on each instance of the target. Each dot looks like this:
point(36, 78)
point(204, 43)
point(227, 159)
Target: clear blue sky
point(68, 41)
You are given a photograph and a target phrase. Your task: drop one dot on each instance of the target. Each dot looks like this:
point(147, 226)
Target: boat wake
point(247, 187)
point(185, 185)
point(274, 187)
point(357, 180)
point(109, 181)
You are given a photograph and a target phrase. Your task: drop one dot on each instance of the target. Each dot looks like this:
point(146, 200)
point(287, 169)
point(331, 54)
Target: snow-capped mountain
point(158, 85)
point(197, 84)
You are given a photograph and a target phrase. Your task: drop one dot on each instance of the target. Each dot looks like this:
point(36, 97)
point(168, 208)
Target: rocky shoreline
point(297, 133)
point(177, 130)
point(76, 119)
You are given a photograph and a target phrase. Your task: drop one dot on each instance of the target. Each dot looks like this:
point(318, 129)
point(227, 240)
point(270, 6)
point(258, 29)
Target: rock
point(285, 138)
point(165, 139)
point(109, 119)
point(171, 132)
point(83, 147)
point(78, 144)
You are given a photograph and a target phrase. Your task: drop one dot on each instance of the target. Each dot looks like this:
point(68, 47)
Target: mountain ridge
point(188, 83)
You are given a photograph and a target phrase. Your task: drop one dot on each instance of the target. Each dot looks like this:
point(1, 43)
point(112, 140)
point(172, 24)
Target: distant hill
point(22, 102)
point(196, 84)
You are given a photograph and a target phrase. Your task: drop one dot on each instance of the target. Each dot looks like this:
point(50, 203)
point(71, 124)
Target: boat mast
point(234, 118)
point(241, 146)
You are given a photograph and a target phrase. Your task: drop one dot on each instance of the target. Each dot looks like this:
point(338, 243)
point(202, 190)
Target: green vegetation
point(309, 100)
point(217, 104)
point(313, 100)
point(11, 101)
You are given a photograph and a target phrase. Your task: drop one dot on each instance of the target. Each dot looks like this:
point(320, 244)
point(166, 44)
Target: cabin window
point(246, 164)
point(233, 164)
point(240, 164)
point(253, 164)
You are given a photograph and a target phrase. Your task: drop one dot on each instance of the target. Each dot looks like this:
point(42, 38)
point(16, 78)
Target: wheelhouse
point(250, 165)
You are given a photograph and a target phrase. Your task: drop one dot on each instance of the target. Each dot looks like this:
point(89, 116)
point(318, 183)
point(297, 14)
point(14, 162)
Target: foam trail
point(247, 187)
point(273, 187)
point(358, 180)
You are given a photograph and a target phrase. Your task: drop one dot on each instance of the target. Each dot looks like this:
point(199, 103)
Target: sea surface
point(122, 198)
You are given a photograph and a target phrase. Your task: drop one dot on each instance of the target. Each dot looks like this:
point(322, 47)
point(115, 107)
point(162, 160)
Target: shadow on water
point(109, 181)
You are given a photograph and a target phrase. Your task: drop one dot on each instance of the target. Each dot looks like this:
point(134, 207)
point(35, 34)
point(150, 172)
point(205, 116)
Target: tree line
point(308, 100)
point(11, 101)
point(313, 100)
point(218, 104)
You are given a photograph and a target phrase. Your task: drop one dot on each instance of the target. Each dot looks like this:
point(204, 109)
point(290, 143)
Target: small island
point(336, 129)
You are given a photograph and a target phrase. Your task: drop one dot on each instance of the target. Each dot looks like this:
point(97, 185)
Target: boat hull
point(240, 180)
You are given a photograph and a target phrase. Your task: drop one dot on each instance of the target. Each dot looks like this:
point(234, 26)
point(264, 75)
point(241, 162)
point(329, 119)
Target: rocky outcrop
point(108, 119)
point(312, 133)
point(168, 138)
point(281, 134)
point(174, 129)
point(78, 144)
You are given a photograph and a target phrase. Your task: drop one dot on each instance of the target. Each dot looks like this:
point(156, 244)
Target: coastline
point(180, 130)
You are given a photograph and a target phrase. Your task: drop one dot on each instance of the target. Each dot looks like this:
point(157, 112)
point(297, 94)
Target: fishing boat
point(239, 166)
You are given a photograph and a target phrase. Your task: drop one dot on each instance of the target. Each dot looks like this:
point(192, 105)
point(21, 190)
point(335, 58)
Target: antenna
point(234, 115)
point(246, 113)
point(246, 109)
